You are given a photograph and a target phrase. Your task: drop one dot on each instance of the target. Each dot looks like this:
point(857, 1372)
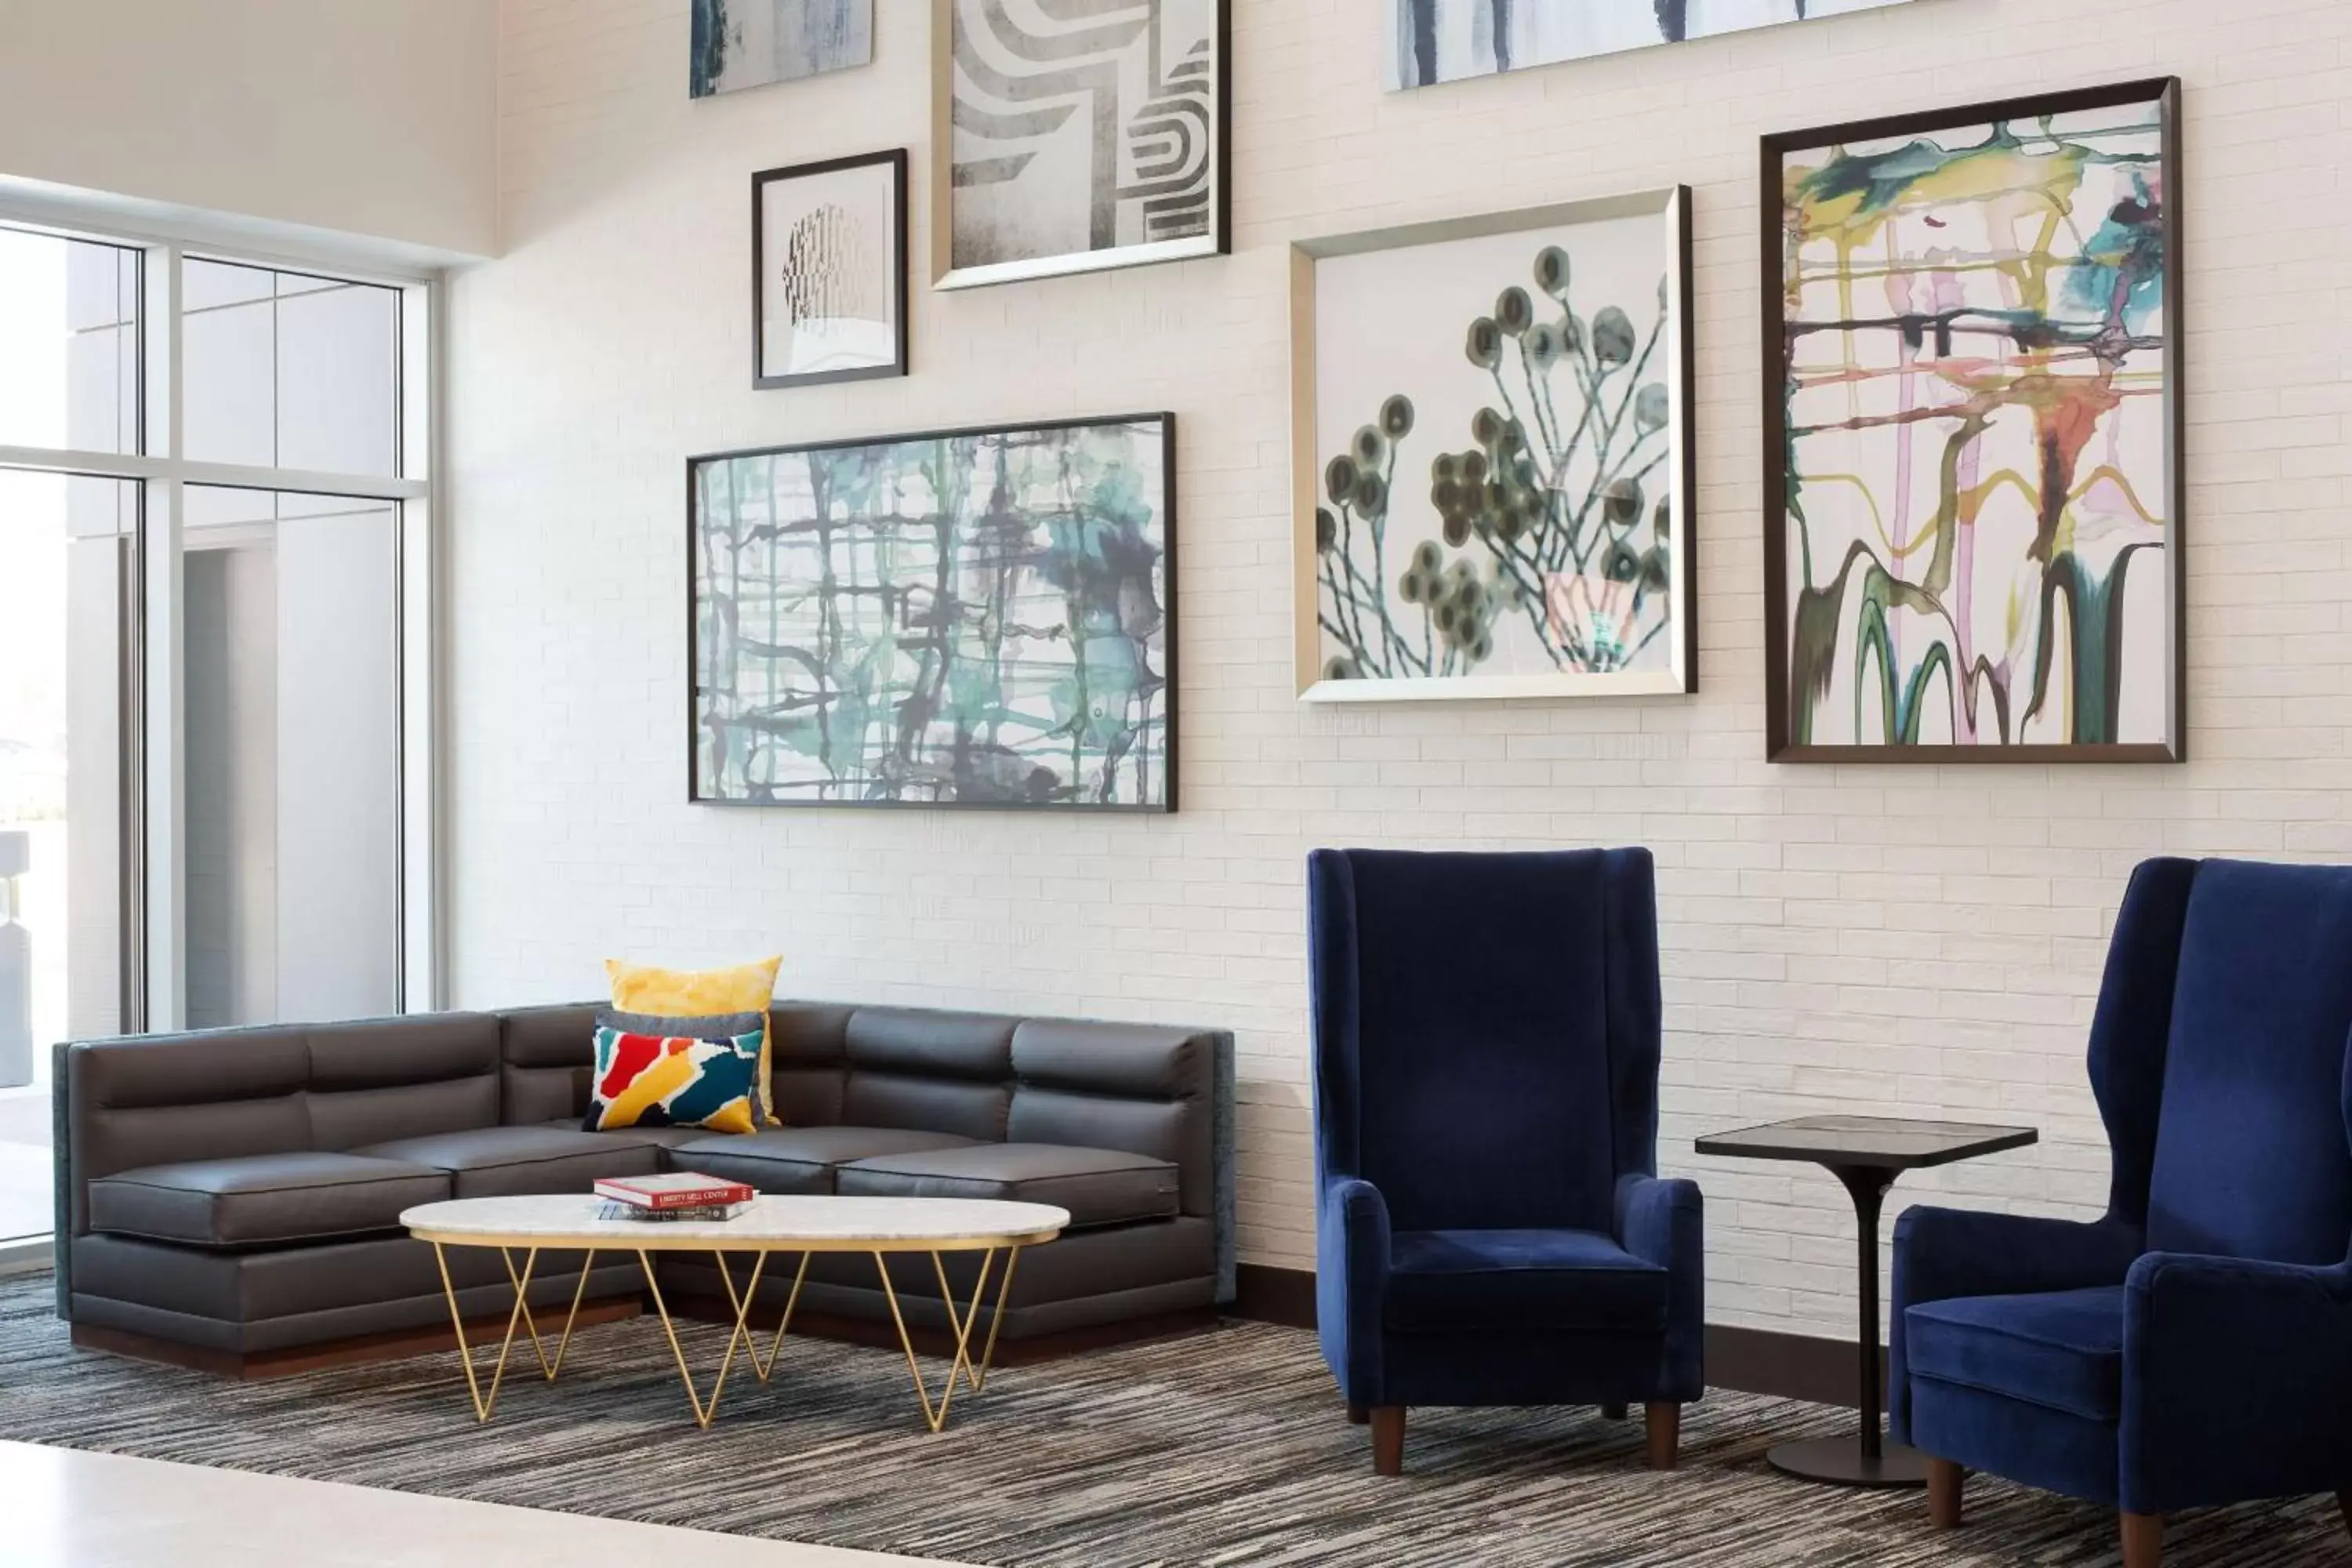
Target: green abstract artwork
point(978, 617)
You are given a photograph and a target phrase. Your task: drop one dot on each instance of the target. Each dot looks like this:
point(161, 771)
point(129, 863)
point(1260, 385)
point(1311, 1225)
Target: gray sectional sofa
point(230, 1197)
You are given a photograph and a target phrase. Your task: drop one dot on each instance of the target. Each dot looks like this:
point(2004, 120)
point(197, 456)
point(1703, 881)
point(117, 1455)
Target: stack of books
point(680, 1195)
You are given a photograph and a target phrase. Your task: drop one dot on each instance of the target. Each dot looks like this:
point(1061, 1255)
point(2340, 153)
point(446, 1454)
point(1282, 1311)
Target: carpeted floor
point(1228, 1448)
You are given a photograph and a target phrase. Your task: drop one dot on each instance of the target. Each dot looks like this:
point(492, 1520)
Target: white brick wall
point(1923, 941)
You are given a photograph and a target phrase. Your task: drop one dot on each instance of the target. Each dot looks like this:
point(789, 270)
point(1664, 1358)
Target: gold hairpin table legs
point(935, 1416)
point(961, 1320)
point(520, 1317)
point(704, 1409)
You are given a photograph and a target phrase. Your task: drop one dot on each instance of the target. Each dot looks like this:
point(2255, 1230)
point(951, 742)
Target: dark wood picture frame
point(901, 252)
point(2163, 92)
point(1170, 755)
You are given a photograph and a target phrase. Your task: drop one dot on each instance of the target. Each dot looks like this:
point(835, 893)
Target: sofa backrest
point(214, 1094)
point(2254, 1143)
point(1487, 1031)
point(1161, 1090)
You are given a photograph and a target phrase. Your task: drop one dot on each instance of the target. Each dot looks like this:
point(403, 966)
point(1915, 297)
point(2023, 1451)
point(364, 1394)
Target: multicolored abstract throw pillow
point(646, 1079)
point(696, 993)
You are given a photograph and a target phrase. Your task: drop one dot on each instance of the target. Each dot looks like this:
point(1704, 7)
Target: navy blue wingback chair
point(2195, 1346)
point(1490, 1228)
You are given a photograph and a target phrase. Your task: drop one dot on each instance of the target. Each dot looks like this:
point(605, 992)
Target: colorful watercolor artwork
point(751, 43)
point(972, 617)
point(1492, 455)
point(1430, 41)
point(1972, 432)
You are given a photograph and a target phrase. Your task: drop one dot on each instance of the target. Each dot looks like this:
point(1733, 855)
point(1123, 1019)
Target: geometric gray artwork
point(829, 270)
point(1431, 41)
point(1081, 134)
point(750, 43)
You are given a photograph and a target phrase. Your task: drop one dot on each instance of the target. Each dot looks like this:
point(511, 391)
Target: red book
point(678, 1190)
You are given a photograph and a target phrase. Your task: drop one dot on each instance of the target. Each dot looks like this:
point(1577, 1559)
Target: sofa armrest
point(1943, 1253)
point(2237, 1381)
point(1352, 1271)
point(1663, 1221)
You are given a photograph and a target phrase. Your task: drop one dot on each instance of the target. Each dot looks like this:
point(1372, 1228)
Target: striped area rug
point(1225, 1449)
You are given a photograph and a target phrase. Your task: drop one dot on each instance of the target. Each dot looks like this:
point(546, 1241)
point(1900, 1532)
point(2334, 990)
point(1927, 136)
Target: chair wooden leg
point(1664, 1424)
point(1358, 1415)
point(1613, 1412)
point(2143, 1540)
point(1944, 1479)
point(1388, 1439)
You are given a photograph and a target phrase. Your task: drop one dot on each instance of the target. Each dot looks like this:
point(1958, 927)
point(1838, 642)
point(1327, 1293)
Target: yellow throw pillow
point(700, 994)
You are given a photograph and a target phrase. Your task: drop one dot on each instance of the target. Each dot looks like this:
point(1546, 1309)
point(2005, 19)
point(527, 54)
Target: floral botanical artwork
point(1445, 40)
point(1970, 432)
point(971, 618)
point(1500, 459)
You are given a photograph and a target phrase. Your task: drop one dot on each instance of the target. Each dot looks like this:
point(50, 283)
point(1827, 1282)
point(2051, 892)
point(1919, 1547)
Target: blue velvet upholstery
point(2194, 1346)
point(1490, 1226)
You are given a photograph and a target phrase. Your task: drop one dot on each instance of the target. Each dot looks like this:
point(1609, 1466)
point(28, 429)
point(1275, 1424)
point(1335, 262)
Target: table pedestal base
point(1841, 1460)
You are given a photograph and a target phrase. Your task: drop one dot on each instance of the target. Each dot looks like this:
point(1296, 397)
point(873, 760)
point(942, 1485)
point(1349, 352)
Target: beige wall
point(374, 118)
point(1923, 940)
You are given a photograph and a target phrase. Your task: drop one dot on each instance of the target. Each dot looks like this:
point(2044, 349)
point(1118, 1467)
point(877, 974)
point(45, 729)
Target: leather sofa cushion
point(1098, 1186)
point(1449, 1280)
point(797, 1159)
point(504, 1162)
point(2062, 1349)
point(660, 1137)
point(262, 1199)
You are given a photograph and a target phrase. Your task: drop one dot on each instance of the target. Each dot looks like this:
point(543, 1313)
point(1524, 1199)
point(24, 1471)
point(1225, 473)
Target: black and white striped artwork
point(1081, 134)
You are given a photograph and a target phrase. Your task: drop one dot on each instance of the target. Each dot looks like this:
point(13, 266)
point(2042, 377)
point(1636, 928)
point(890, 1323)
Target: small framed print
point(829, 271)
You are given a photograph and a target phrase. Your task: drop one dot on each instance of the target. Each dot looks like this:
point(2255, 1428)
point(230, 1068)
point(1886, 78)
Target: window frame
point(155, 924)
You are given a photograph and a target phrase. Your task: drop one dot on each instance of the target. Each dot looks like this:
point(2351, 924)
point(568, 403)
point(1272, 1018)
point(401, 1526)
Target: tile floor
point(61, 1508)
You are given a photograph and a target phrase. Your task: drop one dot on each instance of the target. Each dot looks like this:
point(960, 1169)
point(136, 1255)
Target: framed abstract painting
point(829, 271)
point(1073, 138)
point(1972, 434)
point(1430, 41)
point(958, 618)
point(1491, 456)
point(738, 44)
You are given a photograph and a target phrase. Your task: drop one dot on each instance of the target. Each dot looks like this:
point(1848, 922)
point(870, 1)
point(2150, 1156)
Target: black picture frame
point(1171, 752)
point(2163, 92)
point(895, 160)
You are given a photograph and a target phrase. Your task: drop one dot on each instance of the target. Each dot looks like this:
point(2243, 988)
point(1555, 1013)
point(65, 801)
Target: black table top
point(1873, 1142)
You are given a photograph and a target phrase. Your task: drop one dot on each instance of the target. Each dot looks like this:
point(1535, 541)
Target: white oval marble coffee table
point(805, 1225)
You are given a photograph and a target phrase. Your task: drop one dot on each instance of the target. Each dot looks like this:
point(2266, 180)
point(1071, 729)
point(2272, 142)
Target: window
point(214, 677)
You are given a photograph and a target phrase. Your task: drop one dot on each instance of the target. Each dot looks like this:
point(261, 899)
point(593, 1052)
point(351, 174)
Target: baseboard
point(1751, 1361)
point(879, 1334)
point(35, 1257)
point(358, 1348)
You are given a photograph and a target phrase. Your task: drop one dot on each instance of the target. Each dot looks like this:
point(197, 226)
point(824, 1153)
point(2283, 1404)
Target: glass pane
point(290, 371)
point(68, 566)
point(69, 344)
point(292, 761)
